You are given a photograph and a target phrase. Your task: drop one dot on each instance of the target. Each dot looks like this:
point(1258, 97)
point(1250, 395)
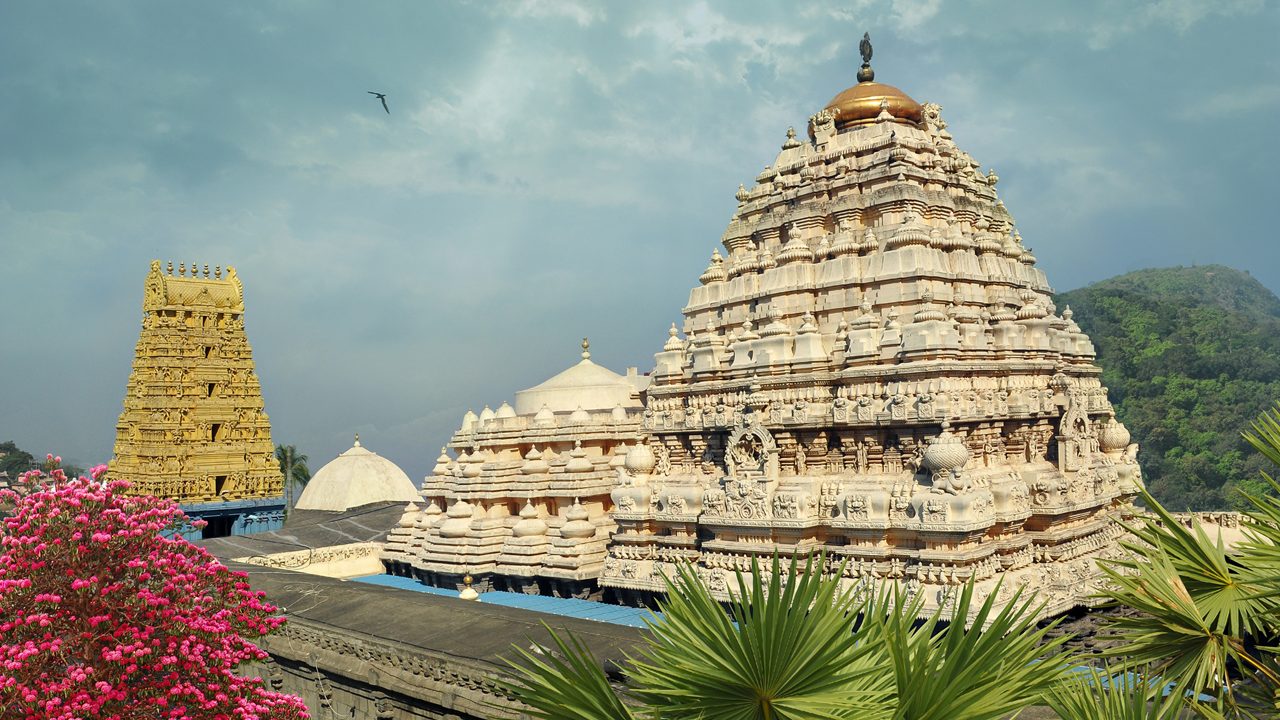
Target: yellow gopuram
point(193, 427)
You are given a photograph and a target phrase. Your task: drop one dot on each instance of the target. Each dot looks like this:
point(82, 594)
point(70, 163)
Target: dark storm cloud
point(550, 169)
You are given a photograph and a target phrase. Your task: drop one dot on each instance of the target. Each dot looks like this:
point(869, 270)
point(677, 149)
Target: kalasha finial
point(866, 74)
point(586, 349)
point(357, 442)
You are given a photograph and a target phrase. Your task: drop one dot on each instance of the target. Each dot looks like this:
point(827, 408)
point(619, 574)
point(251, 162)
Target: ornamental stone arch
point(751, 451)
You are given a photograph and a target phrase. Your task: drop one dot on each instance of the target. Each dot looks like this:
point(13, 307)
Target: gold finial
point(182, 269)
point(170, 268)
point(217, 271)
point(586, 349)
point(468, 592)
point(206, 269)
point(865, 73)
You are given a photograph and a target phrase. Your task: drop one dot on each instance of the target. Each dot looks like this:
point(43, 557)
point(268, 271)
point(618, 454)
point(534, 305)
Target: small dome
point(544, 417)
point(946, 452)
point(579, 417)
point(1113, 437)
point(640, 459)
point(578, 461)
point(505, 411)
point(796, 250)
point(458, 520)
point(486, 415)
point(468, 421)
point(618, 414)
point(674, 343)
point(410, 514)
point(534, 463)
point(715, 271)
point(586, 385)
point(355, 478)
point(530, 523)
point(578, 526)
point(442, 463)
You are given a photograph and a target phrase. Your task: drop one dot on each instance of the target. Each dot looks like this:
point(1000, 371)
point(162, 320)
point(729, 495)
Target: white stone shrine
point(872, 368)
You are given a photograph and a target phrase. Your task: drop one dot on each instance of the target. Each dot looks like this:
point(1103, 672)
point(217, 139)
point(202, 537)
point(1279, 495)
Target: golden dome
point(860, 104)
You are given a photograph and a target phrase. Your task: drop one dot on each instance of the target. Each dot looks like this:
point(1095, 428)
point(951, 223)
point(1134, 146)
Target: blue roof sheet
point(567, 607)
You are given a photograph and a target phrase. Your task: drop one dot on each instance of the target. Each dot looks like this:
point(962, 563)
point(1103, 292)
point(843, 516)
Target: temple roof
point(862, 103)
point(586, 385)
point(356, 478)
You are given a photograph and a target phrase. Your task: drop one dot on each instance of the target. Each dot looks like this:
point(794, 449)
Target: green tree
point(293, 465)
point(14, 460)
point(1191, 355)
point(797, 645)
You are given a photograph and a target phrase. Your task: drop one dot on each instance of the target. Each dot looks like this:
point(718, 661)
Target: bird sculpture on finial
point(586, 349)
point(866, 74)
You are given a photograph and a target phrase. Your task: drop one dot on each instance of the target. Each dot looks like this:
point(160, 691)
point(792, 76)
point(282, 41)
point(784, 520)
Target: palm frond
point(1113, 694)
point(1196, 607)
point(1265, 437)
point(992, 668)
point(786, 650)
point(567, 684)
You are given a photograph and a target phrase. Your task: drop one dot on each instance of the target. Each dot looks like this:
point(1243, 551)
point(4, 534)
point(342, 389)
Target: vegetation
point(850, 653)
point(15, 461)
point(1191, 355)
point(293, 465)
point(107, 612)
point(1199, 641)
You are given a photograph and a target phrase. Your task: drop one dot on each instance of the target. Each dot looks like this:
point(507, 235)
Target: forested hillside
point(1191, 356)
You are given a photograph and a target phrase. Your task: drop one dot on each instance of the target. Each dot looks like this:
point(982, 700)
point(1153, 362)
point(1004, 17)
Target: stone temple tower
point(193, 427)
point(873, 366)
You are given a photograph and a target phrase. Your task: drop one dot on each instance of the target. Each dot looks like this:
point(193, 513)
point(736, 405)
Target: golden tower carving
point(193, 426)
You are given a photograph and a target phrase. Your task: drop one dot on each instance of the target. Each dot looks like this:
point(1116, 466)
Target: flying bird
point(383, 98)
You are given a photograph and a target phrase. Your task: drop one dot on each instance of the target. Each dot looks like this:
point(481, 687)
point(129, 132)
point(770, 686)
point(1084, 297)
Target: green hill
point(1191, 356)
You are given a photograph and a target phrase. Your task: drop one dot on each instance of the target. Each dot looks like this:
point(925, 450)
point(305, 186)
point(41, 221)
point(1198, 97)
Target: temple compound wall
point(193, 427)
point(873, 369)
point(441, 659)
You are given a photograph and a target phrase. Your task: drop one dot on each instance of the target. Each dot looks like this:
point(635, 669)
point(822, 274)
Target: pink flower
point(102, 629)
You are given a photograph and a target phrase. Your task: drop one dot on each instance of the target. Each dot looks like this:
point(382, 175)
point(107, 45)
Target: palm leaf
point(1113, 694)
point(786, 650)
point(567, 684)
point(992, 668)
point(1196, 607)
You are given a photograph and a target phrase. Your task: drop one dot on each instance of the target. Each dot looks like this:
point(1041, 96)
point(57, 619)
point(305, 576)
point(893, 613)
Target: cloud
point(548, 170)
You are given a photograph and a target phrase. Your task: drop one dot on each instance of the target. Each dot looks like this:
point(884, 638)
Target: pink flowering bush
point(106, 613)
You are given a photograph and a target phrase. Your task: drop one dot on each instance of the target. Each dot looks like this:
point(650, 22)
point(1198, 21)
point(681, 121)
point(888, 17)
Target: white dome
point(356, 477)
point(585, 385)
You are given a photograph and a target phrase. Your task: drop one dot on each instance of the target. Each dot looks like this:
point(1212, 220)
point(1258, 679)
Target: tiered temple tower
point(875, 369)
point(193, 427)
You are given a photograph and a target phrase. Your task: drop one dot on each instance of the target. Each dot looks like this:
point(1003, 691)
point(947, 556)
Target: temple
point(193, 427)
point(873, 368)
point(528, 497)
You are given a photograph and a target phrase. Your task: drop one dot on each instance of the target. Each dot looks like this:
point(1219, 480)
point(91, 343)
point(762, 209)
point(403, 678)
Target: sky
point(549, 170)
